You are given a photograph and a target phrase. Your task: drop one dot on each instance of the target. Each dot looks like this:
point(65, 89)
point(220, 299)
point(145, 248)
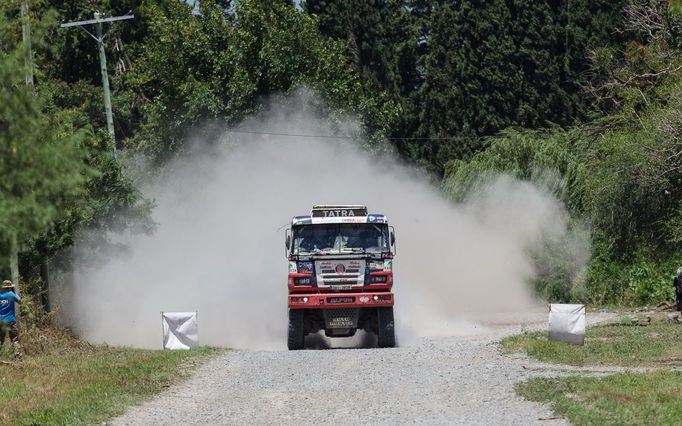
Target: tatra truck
point(340, 274)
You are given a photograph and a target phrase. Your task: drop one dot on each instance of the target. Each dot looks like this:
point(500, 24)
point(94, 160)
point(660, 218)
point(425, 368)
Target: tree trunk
point(45, 278)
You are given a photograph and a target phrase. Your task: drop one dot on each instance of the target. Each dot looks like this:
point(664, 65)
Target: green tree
point(384, 41)
point(470, 83)
point(380, 39)
point(540, 57)
point(41, 160)
point(195, 68)
point(621, 173)
point(59, 175)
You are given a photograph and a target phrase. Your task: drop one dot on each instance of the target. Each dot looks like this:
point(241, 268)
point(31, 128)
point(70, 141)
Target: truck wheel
point(386, 329)
point(296, 337)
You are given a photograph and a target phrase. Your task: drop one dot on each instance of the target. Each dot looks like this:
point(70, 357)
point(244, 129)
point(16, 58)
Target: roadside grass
point(90, 384)
point(626, 398)
point(658, 344)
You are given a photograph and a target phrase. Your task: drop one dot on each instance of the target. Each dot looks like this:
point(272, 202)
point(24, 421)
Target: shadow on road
point(361, 340)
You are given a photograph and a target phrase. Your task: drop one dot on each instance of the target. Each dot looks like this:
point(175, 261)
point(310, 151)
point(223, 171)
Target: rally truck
point(340, 274)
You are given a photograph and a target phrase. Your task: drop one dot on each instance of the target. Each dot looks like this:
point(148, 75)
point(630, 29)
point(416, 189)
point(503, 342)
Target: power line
point(291, 134)
point(300, 135)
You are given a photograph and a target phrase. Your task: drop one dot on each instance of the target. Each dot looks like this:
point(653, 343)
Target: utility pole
point(99, 38)
point(26, 38)
point(105, 82)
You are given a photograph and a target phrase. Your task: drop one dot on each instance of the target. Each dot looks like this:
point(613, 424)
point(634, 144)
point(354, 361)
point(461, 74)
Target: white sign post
point(180, 330)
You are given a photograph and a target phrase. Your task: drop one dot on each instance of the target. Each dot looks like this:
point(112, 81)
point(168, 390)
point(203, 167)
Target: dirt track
point(450, 380)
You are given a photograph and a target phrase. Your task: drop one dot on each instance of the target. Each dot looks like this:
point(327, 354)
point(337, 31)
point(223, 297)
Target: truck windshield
point(340, 238)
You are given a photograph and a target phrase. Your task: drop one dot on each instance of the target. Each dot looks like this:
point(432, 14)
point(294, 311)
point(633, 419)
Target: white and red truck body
point(340, 274)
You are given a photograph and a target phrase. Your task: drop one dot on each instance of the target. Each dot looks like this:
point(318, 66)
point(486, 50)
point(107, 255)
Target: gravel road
point(445, 380)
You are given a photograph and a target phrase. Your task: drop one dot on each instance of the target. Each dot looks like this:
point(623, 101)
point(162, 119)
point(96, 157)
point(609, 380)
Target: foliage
point(383, 43)
point(626, 398)
point(624, 183)
point(59, 174)
point(644, 277)
point(549, 159)
point(621, 174)
point(214, 65)
point(42, 160)
point(583, 98)
point(92, 384)
point(380, 40)
point(461, 69)
point(613, 344)
point(651, 397)
point(676, 6)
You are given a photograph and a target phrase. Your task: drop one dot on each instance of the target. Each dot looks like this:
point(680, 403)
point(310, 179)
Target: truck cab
point(340, 274)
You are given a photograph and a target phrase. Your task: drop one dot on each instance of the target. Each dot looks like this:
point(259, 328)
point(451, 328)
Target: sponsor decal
point(339, 212)
point(292, 267)
point(305, 267)
point(341, 299)
point(318, 220)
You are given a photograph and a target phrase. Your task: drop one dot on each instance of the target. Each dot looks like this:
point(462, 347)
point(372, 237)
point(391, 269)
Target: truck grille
point(346, 272)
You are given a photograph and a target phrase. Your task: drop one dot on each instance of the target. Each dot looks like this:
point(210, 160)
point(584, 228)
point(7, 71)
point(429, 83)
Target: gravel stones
point(451, 380)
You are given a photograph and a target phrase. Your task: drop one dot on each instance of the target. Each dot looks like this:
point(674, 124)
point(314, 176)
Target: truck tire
point(386, 329)
point(296, 338)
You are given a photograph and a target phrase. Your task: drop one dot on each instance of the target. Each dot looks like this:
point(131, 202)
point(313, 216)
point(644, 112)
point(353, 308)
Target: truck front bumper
point(341, 300)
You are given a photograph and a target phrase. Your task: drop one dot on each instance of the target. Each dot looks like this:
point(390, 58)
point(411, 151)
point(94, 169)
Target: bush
point(643, 278)
point(39, 334)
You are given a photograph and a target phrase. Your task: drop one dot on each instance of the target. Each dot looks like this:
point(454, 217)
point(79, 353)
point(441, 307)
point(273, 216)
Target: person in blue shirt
point(8, 319)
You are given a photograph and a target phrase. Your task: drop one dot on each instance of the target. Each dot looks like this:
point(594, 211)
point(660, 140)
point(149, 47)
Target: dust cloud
point(219, 245)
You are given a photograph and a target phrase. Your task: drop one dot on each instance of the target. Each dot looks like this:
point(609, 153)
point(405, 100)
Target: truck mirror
point(392, 239)
point(287, 241)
